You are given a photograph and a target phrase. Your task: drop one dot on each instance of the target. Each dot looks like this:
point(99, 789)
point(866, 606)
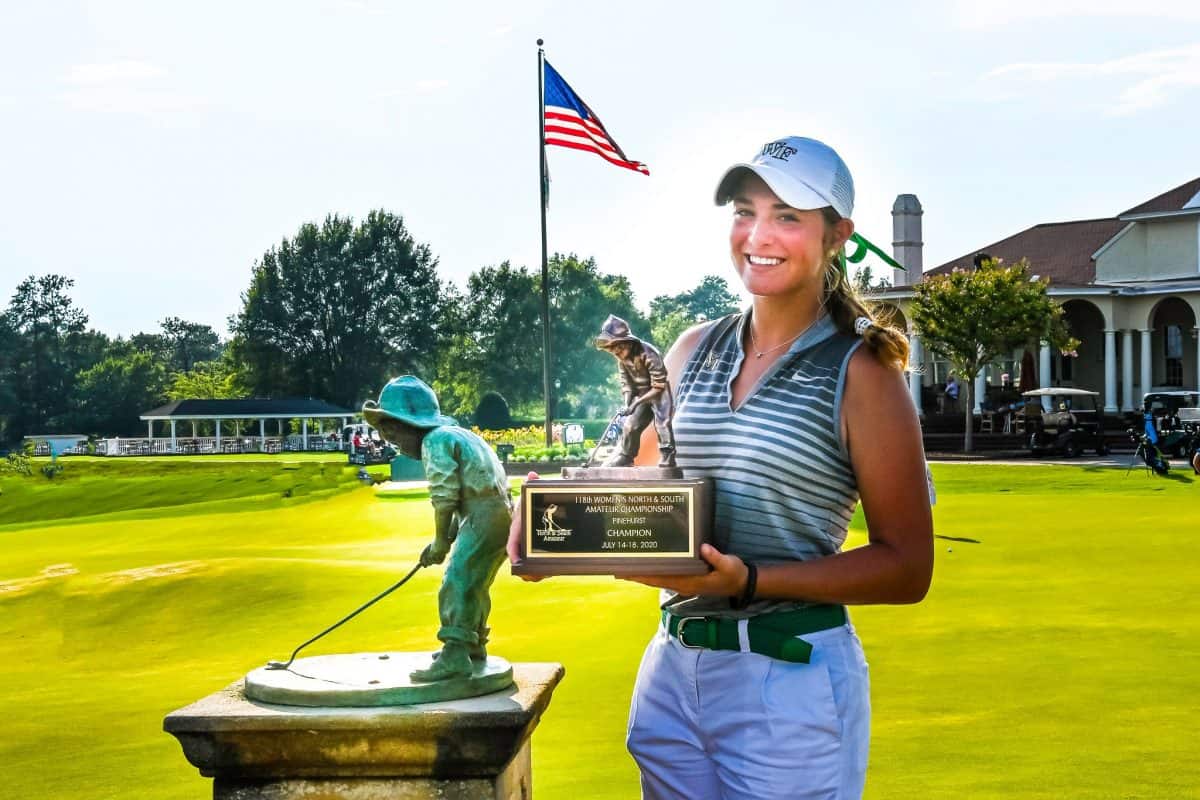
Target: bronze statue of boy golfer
point(645, 393)
point(472, 509)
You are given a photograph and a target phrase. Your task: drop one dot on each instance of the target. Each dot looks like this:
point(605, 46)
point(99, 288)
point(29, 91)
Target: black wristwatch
point(747, 595)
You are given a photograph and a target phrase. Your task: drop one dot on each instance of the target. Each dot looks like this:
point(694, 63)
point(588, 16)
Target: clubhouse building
point(1130, 290)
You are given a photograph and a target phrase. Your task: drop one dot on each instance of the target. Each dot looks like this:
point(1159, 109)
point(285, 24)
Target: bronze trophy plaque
point(617, 518)
point(614, 527)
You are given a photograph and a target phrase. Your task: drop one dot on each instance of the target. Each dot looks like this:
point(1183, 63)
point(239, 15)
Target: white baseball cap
point(805, 173)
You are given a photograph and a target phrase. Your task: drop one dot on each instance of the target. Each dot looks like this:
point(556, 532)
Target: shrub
point(493, 413)
point(531, 435)
point(539, 452)
point(19, 462)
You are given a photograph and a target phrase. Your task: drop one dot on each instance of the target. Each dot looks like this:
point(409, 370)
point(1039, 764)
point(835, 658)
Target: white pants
point(726, 725)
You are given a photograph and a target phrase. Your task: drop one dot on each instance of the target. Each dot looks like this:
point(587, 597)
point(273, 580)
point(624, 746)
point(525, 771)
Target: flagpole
point(543, 186)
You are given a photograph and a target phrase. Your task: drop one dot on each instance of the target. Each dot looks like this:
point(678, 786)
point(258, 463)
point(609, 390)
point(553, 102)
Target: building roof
point(1174, 200)
point(1062, 251)
point(287, 407)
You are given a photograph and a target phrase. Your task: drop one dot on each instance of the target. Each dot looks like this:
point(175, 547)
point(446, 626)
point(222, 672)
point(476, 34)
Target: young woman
point(798, 410)
point(755, 685)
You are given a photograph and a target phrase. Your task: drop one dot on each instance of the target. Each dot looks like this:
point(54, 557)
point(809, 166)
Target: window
point(1173, 350)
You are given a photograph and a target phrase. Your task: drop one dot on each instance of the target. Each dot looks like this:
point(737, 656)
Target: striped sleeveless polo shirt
point(784, 486)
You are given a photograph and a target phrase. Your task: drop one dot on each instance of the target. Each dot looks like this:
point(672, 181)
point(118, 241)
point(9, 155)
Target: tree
point(581, 298)
point(666, 328)
point(970, 317)
point(46, 339)
point(207, 380)
point(9, 342)
point(189, 343)
point(671, 315)
point(491, 340)
point(865, 283)
point(495, 338)
point(338, 309)
point(110, 396)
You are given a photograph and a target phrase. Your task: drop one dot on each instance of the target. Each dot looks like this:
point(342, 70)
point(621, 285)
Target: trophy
point(617, 518)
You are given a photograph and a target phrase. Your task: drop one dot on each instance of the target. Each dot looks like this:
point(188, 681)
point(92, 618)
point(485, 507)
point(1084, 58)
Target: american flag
point(570, 123)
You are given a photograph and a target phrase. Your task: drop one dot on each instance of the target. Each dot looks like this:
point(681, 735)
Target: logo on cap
point(779, 150)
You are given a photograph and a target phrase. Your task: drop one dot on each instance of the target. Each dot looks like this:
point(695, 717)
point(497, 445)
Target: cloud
point(1147, 79)
point(127, 100)
point(124, 87)
point(113, 72)
point(432, 85)
point(977, 15)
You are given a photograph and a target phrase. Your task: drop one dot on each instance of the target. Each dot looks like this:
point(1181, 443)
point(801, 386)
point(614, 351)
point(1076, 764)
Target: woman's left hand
point(727, 579)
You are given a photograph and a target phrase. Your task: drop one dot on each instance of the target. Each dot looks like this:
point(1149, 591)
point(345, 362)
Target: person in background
point(952, 391)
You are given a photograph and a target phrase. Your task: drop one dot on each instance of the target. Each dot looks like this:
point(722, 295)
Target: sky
point(154, 151)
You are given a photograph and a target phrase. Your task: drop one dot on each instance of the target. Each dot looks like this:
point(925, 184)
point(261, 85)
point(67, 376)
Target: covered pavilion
point(238, 412)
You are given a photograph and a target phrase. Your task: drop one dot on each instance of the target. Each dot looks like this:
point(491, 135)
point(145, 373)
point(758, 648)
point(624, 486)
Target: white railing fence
point(206, 445)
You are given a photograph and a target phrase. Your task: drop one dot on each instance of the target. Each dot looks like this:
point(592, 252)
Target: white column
point(218, 427)
point(1044, 372)
point(1127, 369)
point(1110, 370)
point(174, 449)
point(914, 376)
point(1196, 338)
point(1147, 373)
point(149, 429)
point(193, 429)
point(980, 388)
point(304, 433)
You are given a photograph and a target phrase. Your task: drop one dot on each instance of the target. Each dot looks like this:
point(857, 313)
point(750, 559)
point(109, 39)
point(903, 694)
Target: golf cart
point(1167, 411)
point(1189, 421)
point(371, 449)
point(1073, 424)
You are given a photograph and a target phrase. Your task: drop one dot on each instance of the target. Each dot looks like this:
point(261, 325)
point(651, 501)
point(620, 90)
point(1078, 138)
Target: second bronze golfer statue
point(645, 393)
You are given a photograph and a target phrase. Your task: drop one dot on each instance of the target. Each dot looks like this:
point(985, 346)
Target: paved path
point(1116, 460)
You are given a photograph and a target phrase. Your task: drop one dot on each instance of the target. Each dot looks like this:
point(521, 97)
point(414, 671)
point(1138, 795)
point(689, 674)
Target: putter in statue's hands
point(287, 664)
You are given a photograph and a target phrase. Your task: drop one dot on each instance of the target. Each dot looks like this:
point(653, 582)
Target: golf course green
point(1053, 658)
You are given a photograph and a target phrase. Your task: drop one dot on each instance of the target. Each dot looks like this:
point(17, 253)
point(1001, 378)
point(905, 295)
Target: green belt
point(772, 635)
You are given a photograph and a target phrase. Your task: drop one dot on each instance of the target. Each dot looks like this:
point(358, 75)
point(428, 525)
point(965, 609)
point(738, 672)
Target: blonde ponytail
point(848, 310)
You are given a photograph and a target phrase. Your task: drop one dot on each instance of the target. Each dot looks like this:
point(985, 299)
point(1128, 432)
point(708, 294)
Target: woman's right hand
point(517, 530)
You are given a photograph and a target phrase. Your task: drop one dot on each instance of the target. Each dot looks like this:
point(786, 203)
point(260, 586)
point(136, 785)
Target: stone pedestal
point(456, 750)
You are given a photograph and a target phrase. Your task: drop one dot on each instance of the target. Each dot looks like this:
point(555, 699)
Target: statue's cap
point(407, 399)
point(614, 330)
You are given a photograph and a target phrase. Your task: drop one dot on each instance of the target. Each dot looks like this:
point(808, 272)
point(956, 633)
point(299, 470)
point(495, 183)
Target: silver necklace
point(760, 353)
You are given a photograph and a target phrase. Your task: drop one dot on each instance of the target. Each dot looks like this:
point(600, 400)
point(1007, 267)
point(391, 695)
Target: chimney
point(906, 239)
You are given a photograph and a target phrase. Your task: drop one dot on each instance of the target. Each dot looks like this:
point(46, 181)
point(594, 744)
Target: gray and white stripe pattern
point(785, 489)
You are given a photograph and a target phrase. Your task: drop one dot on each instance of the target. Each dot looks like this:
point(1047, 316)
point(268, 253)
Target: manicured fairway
point(1054, 658)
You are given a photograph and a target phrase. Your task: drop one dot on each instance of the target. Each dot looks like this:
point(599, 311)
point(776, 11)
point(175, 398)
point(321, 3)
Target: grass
point(1051, 659)
point(99, 486)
